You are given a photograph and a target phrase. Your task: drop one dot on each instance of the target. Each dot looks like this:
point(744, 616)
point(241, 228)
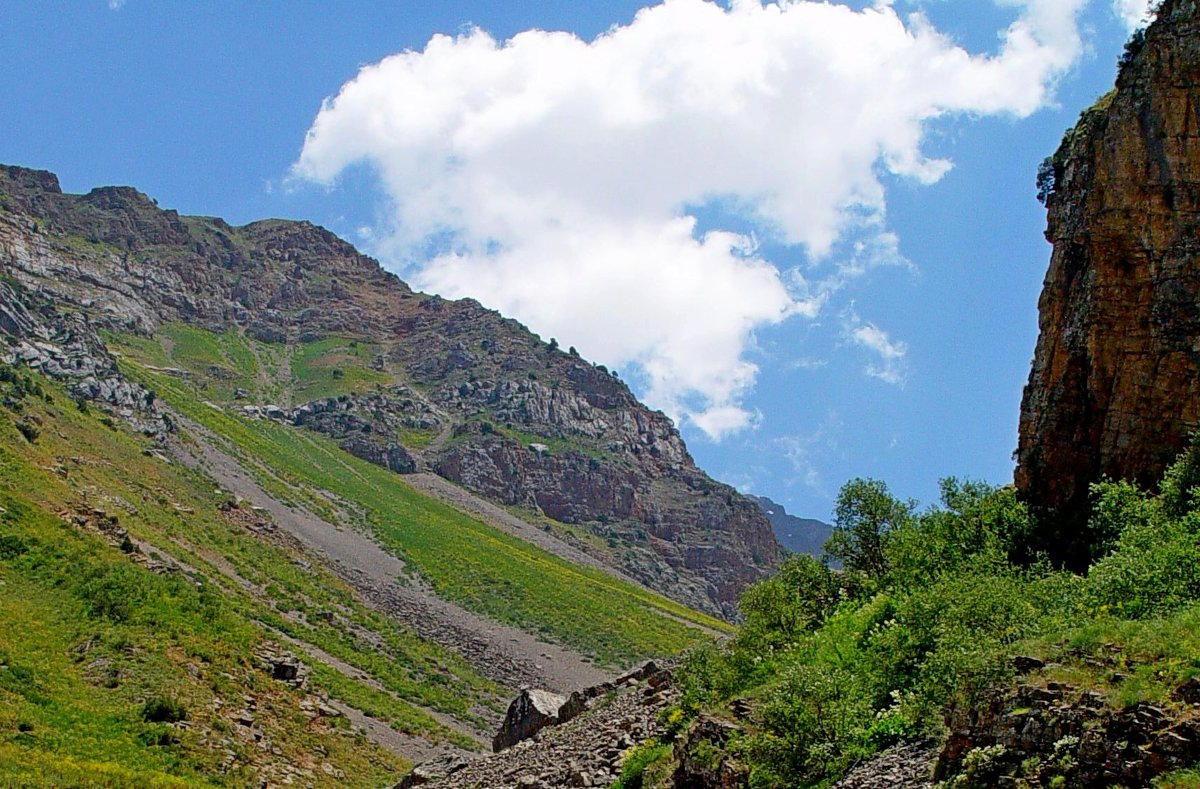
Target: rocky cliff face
point(1115, 384)
point(67, 348)
point(450, 386)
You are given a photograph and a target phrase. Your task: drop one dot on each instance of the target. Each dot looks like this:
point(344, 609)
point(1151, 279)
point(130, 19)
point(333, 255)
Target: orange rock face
point(1115, 385)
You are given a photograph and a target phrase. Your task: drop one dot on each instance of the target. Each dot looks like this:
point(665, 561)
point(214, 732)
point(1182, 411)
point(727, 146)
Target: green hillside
point(135, 597)
point(465, 560)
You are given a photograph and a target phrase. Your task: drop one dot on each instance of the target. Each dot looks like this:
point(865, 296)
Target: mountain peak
point(469, 390)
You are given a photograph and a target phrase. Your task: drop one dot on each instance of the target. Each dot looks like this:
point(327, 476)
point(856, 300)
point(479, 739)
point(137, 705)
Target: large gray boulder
point(529, 713)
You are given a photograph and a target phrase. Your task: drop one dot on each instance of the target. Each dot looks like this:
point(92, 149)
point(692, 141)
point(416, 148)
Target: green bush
point(29, 430)
point(798, 598)
point(11, 546)
point(710, 674)
point(161, 709)
point(813, 724)
point(1155, 570)
point(112, 592)
point(975, 523)
point(637, 761)
point(1180, 485)
point(865, 517)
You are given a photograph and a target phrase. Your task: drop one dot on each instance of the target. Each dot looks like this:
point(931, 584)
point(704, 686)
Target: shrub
point(637, 761)
point(975, 524)
point(22, 681)
point(1047, 179)
point(710, 674)
point(1133, 46)
point(162, 709)
point(160, 736)
point(981, 768)
point(11, 546)
point(794, 601)
point(813, 723)
point(1180, 485)
point(112, 592)
point(29, 431)
point(890, 727)
point(1155, 569)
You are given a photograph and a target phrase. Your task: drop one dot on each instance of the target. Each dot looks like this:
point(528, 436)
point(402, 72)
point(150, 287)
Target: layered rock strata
point(1115, 385)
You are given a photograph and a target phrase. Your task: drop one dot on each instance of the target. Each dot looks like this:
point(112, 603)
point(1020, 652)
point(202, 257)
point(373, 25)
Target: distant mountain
point(798, 535)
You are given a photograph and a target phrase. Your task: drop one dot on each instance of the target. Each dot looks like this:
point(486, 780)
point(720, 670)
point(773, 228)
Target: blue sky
point(749, 211)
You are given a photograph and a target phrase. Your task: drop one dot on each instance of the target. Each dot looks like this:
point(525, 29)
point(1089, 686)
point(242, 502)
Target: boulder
point(432, 770)
point(529, 713)
point(389, 454)
point(703, 762)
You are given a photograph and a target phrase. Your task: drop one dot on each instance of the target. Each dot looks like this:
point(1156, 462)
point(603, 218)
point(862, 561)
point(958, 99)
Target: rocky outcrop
point(703, 759)
point(587, 750)
point(905, 766)
point(366, 425)
point(433, 770)
point(533, 709)
point(1115, 384)
point(66, 347)
point(379, 412)
point(534, 426)
point(528, 714)
point(677, 531)
point(1057, 735)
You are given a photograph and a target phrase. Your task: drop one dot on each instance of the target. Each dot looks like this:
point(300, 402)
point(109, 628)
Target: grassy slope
point(465, 560)
point(87, 636)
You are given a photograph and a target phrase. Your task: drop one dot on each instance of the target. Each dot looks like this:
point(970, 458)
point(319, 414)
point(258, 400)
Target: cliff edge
point(1115, 385)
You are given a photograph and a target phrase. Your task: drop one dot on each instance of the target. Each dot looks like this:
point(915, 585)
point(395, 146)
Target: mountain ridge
point(480, 400)
point(798, 535)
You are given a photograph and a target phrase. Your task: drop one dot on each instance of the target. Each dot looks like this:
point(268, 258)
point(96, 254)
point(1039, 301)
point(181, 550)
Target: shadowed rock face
point(529, 713)
point(1115, 384)
point(518, 420)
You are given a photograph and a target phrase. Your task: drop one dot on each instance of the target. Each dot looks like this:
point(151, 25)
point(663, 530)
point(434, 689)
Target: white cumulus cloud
point(1134, 13)
point(557, 179)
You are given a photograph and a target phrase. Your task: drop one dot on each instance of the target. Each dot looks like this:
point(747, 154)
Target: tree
point(794, 601)
point(865, 516)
